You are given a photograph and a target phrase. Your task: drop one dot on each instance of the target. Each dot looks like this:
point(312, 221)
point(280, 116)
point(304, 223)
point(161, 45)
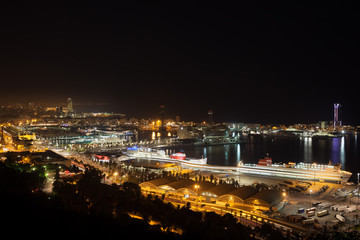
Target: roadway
point(246, 217)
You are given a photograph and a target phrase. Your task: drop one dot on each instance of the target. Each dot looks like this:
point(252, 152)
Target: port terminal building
point(207, 192)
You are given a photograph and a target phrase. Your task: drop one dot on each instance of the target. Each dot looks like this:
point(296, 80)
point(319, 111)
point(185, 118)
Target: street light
point(197, 186)
point(116, 174)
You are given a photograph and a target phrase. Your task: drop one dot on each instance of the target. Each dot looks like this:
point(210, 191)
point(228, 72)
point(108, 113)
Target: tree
point(211, 178)
point(132, 190)
point(57, 174)
point(227, 205)
point(356, 219)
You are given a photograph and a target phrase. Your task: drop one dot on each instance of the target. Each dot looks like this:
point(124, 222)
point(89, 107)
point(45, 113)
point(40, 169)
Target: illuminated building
point(162, 114)
point(26, 136)
point(187, 133)
point(70, 107)
point(177, 118)
point(337, 122)
point(210, 114)
point(216, 133)
point(162, 127)
point(211, 193)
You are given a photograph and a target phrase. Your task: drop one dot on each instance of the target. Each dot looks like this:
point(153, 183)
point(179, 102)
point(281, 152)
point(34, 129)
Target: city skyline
point(180, 120)
point(66, 110)
point(275, 63)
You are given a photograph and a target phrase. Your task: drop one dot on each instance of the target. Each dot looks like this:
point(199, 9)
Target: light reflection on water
point(307, 150)
point(342, 150)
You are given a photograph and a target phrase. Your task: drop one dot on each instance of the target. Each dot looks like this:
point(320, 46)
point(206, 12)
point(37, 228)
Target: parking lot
point(337, 200)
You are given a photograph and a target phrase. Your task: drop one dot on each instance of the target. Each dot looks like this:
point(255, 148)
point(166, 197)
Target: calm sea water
point(344, 150)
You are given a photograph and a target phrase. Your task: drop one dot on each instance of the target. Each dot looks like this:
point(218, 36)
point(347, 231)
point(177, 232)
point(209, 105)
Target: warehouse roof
point(270, 196)
point(157, 182)
point(242, 193)
point(175, 185)
point(219, 190)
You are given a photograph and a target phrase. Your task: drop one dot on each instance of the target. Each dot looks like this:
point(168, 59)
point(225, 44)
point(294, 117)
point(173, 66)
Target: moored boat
point(160, 155)
point(178, 156)
point(265, 167)
point(308, 171)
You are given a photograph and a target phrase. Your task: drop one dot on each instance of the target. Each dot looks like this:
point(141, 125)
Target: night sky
point(269, 63)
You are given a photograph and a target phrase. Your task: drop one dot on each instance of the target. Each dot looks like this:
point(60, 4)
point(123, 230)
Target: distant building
point(209, 192)
point(59, 111)
point(323, 125)
point(337, 121)
point(50, 109)
point(177, 118)
point(187, 133)
point(210, 115)
point(162, 127)
point(265, 199)
point(162, 115)
point(70, 107)
point(216, 133)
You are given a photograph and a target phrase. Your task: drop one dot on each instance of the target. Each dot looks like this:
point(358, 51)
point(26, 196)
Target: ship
point(81, 141)
point(178, 156)
point(303, 171)
point(264, 167)
point(160, 155)
point(100, 158)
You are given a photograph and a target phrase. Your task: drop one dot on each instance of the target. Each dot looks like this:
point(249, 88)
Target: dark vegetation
point(90, 197)
point(27, 211)
point(84, 207)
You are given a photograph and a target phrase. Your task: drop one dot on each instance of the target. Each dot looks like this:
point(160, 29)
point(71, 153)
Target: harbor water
point(343, 150)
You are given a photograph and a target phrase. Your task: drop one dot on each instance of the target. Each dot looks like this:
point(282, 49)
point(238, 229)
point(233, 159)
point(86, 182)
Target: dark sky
point(269, 63)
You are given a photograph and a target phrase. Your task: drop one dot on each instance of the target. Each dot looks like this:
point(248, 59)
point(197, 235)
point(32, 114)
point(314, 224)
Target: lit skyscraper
point(210, 115)
point(70, 107)
point(337, 122)
point(162, 127)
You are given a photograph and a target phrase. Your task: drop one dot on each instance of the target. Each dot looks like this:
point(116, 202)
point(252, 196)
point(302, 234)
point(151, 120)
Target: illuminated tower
point(210, 114)
point(70, 107)
point(162, 128)
point(162, 114)
point(337, 122)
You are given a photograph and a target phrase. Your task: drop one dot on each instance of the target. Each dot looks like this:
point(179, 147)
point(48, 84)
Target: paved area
point(335, 194)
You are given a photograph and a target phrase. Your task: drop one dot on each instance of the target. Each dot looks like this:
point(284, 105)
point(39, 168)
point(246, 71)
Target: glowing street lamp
point(116, 174)
point(197, 186)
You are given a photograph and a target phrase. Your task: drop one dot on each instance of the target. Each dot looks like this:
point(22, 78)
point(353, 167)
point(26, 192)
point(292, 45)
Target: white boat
point(265, 167)
point(308, 171)
point(160, 155)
